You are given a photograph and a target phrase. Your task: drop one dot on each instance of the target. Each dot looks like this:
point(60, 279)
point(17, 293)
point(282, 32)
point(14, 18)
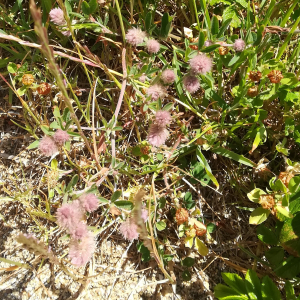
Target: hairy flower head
point(191, 83)
point(152, 46)
point(80, 231)
point(69, 215)
point(239, 45)
point(89, 202)
point(168, 76)
point(201, 64)
point(135, 36)
point(57, 16)
point(129, 229)
point(60, 137)
point(208, 43)
point(47, 146)
point(156, 91)
point(163, 118)
point(81, 251)
point(144, 214)
point(157, 135)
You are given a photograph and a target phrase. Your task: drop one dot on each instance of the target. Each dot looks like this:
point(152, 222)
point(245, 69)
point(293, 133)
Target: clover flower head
point(57, 16)
point(60, 137)
point(156, 91)
point(239, 45)
point(47, 146)
point(69, 215)
point(157, 135)
point(208, 43)
point(201, 64)
point(80, 231)
point(81, 251)
point(191, 83)
point(144, 214)
point(89, 202)
point(129, 229)
point(163, 118)
point(152, 46)
point(168, 76)
point(135, 36)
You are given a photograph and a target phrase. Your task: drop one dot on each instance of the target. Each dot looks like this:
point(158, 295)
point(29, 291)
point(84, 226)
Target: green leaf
point(235, 58)
point(188, 262)
point(201, 40)
point(186, 275)
point(289, 290)
point(127, 205)
point(261, 136)
point(22, 90)
point(54, 164)
point(253, 285)
point(12, 68)
point(258, 216)
point(242, 3)
point(165, 25)
point(240, 158)
point(211, 227)
point(72, 183)
point(235, 282)
point(294, 206)
point(101, 199)
point(144, 251)
point(201, 247)
point(148, 21)
point(210, 48)
point(93, 6)
point(255, 194)
point(161, 225)
point(45, 129)
point(294, 184)
point(223, 292)
point(269, 289)
point(283, 211)
point(188, 242)
point(33, 145)
point(214, 25)
point(275, 255)
point(231, 13)
point(162, 202)
point(266, 235)
point(225, 25)
point(115, 196)
point(85, 8)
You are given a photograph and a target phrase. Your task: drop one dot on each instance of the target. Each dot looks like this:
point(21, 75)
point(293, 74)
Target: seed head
point(252, 91)
point(255, 76)
point(285, 177)
point(201, 64)
point(275, 76)
point(223, 50)
point(181, 216)
point(200, 231)
point(266, 201)
point(135, 36)
point(44, 88)
point(191, 83)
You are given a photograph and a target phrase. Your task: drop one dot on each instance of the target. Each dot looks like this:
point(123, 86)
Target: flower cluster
point(57, 17)
point(129, 229)
point(49, 145)
point(158, 132)
point(70, 218)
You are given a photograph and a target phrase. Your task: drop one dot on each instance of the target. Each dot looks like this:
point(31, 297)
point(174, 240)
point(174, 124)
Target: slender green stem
point(196, 14)
point(121, 20)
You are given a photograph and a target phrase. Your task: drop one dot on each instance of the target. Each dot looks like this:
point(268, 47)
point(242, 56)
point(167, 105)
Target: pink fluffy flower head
point(163, 118)
point(239, 45)
point(144, 215)
point(80, 252)
point(191, 83)
point(69, 215)
point(156, 91)
point(57, 16)
point(135, 36)
point(168, 76)
point(80, 231)
point(143, 78)
point(60, 137)
point(201, 64)
point(152, 46)
point(47, 146)
point(157, 135)
point(208, 43)
point(89, 202)
point(129, 229)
